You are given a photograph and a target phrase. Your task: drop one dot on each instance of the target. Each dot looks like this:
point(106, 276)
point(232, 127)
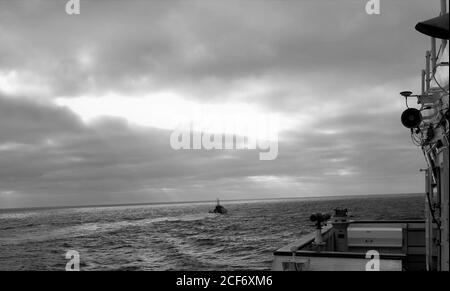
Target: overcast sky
point(87, 102)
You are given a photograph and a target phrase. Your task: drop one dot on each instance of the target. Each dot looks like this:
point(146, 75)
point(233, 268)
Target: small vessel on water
point(342, 244)
point(219, 209)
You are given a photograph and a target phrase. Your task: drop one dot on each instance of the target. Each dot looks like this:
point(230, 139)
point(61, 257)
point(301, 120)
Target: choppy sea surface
point(174, 236)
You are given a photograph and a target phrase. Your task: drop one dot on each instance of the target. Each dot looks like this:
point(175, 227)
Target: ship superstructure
point(431, 134)
point(344, 244)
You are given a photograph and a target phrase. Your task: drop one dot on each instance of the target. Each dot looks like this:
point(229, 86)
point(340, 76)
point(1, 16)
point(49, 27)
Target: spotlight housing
point(411, 118)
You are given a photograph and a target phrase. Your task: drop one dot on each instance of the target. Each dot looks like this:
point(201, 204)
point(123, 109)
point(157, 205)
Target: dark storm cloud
point(177, 43)
point(26, 121)
point(325, 62)
point(111, 160)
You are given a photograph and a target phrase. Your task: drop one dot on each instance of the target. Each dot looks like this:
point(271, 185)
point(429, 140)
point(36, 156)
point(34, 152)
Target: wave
point(87, 229)
point(174, 238)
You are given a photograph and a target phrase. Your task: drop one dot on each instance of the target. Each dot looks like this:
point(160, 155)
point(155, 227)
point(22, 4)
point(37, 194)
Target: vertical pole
point(444, 187)
point(428, 225)
point(433, 55)
point(423, 82)
point(427, 71)
point(443, 11)
point(318, 239)
point(444, 202)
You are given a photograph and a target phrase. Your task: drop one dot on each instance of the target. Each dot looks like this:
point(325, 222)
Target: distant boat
point(219, 209)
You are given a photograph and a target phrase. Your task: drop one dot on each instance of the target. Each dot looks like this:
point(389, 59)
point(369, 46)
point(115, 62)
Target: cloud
point(157, 45)
point(330, 71)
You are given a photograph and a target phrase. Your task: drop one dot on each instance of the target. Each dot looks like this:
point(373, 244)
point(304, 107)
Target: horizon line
point(207, 201)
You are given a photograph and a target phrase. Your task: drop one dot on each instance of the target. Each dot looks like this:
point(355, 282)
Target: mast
point(430, 131)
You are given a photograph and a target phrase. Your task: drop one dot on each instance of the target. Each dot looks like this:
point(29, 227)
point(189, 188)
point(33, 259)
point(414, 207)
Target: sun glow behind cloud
point(155, 66)
point(169, 111)
point(14, 82)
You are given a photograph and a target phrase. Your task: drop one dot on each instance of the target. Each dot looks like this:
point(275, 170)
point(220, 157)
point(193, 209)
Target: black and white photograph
point(225, 136)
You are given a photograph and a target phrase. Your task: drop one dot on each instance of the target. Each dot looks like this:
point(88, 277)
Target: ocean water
point(175, 236)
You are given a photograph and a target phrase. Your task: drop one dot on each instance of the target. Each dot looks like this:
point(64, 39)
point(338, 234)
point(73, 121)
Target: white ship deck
point(400, 245)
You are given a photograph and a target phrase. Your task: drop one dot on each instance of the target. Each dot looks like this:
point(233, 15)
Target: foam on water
point(173, 237)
